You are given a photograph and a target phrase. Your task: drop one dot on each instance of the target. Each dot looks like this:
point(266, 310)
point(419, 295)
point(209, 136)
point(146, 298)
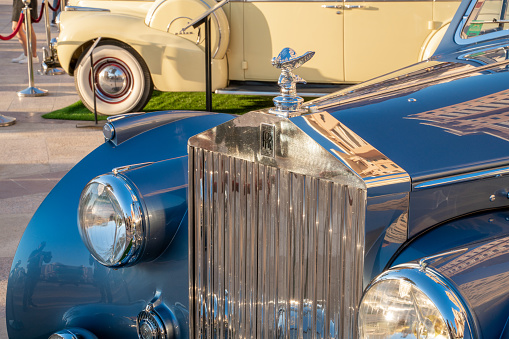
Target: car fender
point(471, 252)
point(68, 277)
point(175, 63)
point(432, 41)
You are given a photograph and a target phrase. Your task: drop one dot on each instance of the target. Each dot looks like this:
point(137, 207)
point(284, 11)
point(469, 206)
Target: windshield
point(486, 17)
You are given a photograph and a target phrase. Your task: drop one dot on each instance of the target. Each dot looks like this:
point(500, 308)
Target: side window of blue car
point(486, 17)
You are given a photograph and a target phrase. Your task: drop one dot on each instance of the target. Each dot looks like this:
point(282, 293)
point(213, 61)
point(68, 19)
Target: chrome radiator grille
point(272, 253)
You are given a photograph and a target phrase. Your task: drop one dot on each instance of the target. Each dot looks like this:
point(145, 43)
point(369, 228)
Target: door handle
point(353, 6)
point(332, 6)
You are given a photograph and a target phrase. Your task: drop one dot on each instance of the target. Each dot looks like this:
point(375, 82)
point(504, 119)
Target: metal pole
point(93, 83)
point(208, 67)
point(48, 54)
point(92, 73)
point(31, 90)
point(46, 21)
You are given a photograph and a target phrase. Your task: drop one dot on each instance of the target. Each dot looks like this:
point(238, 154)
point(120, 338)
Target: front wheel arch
point(432, 41)
point(124, 82)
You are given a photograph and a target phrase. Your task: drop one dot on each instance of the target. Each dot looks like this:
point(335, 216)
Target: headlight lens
point(411, 302)
point(398, 307)
point(110, 220)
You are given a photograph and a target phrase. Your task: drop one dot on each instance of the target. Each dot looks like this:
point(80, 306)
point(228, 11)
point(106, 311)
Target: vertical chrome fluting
point(272, 253)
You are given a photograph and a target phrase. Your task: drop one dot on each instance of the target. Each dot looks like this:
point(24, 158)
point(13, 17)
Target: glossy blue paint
point(419, 148)
point(54, 282)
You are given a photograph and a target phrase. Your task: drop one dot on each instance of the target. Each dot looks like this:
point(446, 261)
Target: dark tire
point(123, 80)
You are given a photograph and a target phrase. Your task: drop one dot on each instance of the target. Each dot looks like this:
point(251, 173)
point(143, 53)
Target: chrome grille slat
point(274, 253)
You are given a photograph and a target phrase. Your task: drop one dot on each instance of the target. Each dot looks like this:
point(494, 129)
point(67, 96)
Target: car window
point(486, 17)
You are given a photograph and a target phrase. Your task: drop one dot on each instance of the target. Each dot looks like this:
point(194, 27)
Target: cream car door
point(382, 36)
point(270, 26)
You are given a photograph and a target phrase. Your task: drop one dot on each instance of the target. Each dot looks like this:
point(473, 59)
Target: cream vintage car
point(143, 46)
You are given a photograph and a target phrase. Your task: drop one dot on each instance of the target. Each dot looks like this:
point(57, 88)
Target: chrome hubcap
point(112, 80)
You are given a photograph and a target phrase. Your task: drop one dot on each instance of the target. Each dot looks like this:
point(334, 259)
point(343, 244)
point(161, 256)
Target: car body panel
point(259, 31)
point(52, 259)
point(165, 72)
point(423, 117)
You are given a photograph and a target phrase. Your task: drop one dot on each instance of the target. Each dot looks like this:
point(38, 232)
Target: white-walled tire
point(123, 81)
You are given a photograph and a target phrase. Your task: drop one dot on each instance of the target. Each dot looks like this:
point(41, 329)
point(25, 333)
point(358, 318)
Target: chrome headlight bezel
point(439, 290)
point(131, 220)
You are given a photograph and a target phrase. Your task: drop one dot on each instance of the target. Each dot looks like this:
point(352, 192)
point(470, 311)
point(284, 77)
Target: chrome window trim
point(85, 9)
point(463, 178)
point(451, 305)
point(457, 35)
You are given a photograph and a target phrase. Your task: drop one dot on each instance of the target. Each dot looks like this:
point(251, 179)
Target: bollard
point(49, 53)
point(30, 91)
point(6, 121)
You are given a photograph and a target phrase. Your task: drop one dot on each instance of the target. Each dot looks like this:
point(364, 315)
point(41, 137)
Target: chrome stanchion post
point(6, 121)
point(31, 90)
point(46, 21)
point(48, 55)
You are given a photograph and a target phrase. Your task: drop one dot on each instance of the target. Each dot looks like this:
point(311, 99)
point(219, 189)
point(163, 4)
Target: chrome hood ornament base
point(289, 103)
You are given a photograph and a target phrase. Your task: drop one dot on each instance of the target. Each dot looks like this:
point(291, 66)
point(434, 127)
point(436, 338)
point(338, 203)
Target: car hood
point(440, 117)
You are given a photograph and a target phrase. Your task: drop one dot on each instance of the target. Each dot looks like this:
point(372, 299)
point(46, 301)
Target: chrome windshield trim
point(463, 178)
point(451, 305)
point(464, 19)
point(85, 9)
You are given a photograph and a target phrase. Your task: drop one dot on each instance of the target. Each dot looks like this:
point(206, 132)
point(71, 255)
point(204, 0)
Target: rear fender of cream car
point(181, 67)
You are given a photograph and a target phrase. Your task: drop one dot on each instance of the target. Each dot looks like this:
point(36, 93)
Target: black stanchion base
point(92, 125)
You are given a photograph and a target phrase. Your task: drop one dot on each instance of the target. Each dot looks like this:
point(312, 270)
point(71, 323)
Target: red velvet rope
point(40, 16)
point(20, 21)
point(56, 8)
point(16, 30)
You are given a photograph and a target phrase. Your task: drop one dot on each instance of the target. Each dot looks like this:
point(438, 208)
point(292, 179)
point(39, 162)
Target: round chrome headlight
point(111, 220)
point(411, 302)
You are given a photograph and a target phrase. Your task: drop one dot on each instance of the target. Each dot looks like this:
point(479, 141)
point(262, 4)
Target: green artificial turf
point(193, 101)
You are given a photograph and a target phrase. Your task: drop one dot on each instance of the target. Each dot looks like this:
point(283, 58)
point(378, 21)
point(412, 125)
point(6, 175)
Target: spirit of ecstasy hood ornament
point(288, 103)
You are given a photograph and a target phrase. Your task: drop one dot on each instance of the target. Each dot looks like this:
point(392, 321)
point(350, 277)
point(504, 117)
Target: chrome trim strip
point(463, 178)
point(85, 9)
point(271, 94)
point(451, 305)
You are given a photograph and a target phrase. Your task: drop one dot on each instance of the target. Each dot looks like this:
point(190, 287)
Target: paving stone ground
point(35, 152)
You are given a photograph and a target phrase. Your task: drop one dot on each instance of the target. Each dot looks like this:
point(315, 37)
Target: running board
point(272, 89)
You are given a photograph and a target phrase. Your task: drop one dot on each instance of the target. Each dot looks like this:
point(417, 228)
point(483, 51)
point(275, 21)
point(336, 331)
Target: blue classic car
point(380, 211)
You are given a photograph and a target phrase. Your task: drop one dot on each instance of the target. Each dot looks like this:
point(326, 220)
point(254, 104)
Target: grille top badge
point(267, 140)
point(288, 103)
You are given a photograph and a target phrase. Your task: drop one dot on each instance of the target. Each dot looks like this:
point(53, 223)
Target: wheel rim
point(114, 80)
